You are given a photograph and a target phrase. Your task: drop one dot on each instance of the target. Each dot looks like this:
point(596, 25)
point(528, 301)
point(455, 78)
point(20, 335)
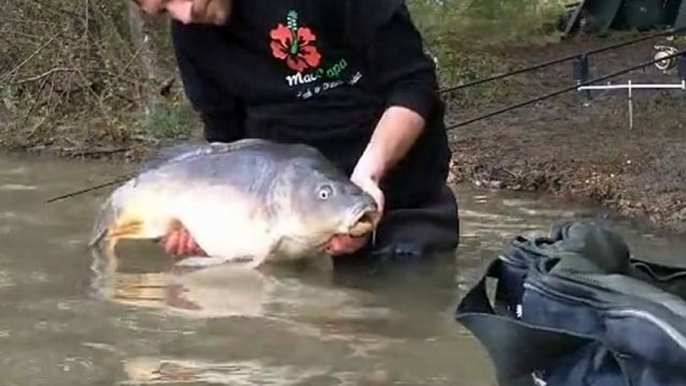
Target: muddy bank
point(587, 152)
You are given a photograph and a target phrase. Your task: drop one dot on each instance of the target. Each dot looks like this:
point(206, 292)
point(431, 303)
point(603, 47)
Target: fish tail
point(106, 218)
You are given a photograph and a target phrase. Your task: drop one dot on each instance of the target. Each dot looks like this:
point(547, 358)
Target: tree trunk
point(146, 54)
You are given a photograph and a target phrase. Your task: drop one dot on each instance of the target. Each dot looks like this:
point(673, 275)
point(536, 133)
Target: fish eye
point(325, 192)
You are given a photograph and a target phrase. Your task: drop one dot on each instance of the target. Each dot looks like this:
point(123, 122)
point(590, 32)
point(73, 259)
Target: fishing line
point(670, 31)
point(86, 190)
point(497, 112)
point(564, 90)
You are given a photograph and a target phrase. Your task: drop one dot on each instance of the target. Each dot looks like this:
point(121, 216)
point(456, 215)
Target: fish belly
point(227, 225)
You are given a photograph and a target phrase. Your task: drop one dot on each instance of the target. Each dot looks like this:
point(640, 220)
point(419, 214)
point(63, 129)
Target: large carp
point(250, 201)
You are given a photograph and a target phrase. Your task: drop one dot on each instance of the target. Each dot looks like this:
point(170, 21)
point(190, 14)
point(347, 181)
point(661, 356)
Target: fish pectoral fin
point(130, 229)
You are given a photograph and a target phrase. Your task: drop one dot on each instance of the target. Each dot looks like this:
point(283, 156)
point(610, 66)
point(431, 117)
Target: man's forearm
point(395, 133)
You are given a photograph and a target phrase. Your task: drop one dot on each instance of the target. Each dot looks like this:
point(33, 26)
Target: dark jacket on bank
point(319, 72)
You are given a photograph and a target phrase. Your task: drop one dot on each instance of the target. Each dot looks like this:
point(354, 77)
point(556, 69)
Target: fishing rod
point(670, 31)
point(86, 190)
point(564, 90)
point(497, 112)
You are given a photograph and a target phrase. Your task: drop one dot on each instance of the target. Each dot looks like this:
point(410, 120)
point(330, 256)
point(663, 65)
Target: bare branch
point(64, 62)
point(43, 75)
point(28, 59)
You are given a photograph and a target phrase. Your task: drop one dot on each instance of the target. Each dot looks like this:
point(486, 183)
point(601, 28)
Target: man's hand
point(180, 243)
point(363, 177)
point(344, 244)
point(215, 12)
point(394, 135)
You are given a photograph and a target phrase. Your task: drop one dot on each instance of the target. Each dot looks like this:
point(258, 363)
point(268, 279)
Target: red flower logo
point(294, 45)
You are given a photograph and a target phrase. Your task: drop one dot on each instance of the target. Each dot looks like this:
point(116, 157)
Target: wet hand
point(180, 243)
point(346, 244)
point(366, 181)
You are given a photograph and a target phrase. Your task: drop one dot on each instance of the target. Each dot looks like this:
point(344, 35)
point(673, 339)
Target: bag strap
point(667, 278)
point(535, 348)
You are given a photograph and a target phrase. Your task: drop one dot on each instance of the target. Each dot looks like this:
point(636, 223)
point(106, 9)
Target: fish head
point(324, 202)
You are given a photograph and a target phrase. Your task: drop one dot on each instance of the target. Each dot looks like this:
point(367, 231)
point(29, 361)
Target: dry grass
point(73, 75)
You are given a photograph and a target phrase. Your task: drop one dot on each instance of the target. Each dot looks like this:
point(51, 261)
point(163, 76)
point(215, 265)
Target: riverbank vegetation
point(95, 78)
point(86, 78)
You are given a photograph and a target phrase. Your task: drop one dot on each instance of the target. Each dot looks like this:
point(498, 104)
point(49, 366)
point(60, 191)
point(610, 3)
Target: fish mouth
point(365, 220)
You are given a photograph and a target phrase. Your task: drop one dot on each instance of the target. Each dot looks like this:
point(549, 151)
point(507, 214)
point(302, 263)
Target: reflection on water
point(71, 318)
point(219, 290)
point(249, 373)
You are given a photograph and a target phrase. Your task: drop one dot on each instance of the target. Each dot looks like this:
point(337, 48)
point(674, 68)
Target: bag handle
point(536, 347)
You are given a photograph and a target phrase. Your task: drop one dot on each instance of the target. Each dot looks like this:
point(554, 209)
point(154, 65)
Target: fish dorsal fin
point(190, 150)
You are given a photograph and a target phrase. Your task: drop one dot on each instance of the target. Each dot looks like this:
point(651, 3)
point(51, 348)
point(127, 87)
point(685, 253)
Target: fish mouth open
point(365, 221)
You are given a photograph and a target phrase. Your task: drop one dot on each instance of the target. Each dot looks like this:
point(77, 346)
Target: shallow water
point(67, 321)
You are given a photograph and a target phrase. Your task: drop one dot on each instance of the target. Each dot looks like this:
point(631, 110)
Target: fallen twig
point(43, 75)
point(84, 151)
point(13, 72)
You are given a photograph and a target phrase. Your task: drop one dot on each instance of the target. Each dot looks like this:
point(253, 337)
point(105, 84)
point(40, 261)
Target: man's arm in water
point(406, 79)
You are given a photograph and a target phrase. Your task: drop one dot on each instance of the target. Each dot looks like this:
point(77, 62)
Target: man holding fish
point(348, 77)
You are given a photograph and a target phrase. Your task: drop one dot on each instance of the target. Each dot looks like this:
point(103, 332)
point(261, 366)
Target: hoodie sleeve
point(222, 115)
point(393, 49)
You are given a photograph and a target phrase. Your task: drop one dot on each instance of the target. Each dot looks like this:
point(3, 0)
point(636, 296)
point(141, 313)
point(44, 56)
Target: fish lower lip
point(365, 223)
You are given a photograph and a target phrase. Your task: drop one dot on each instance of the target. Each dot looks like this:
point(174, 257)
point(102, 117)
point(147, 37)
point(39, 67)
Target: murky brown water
point(66, 321)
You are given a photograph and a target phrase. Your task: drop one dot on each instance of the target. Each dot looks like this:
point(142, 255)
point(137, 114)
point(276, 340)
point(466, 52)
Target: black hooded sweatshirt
point(319, 72)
